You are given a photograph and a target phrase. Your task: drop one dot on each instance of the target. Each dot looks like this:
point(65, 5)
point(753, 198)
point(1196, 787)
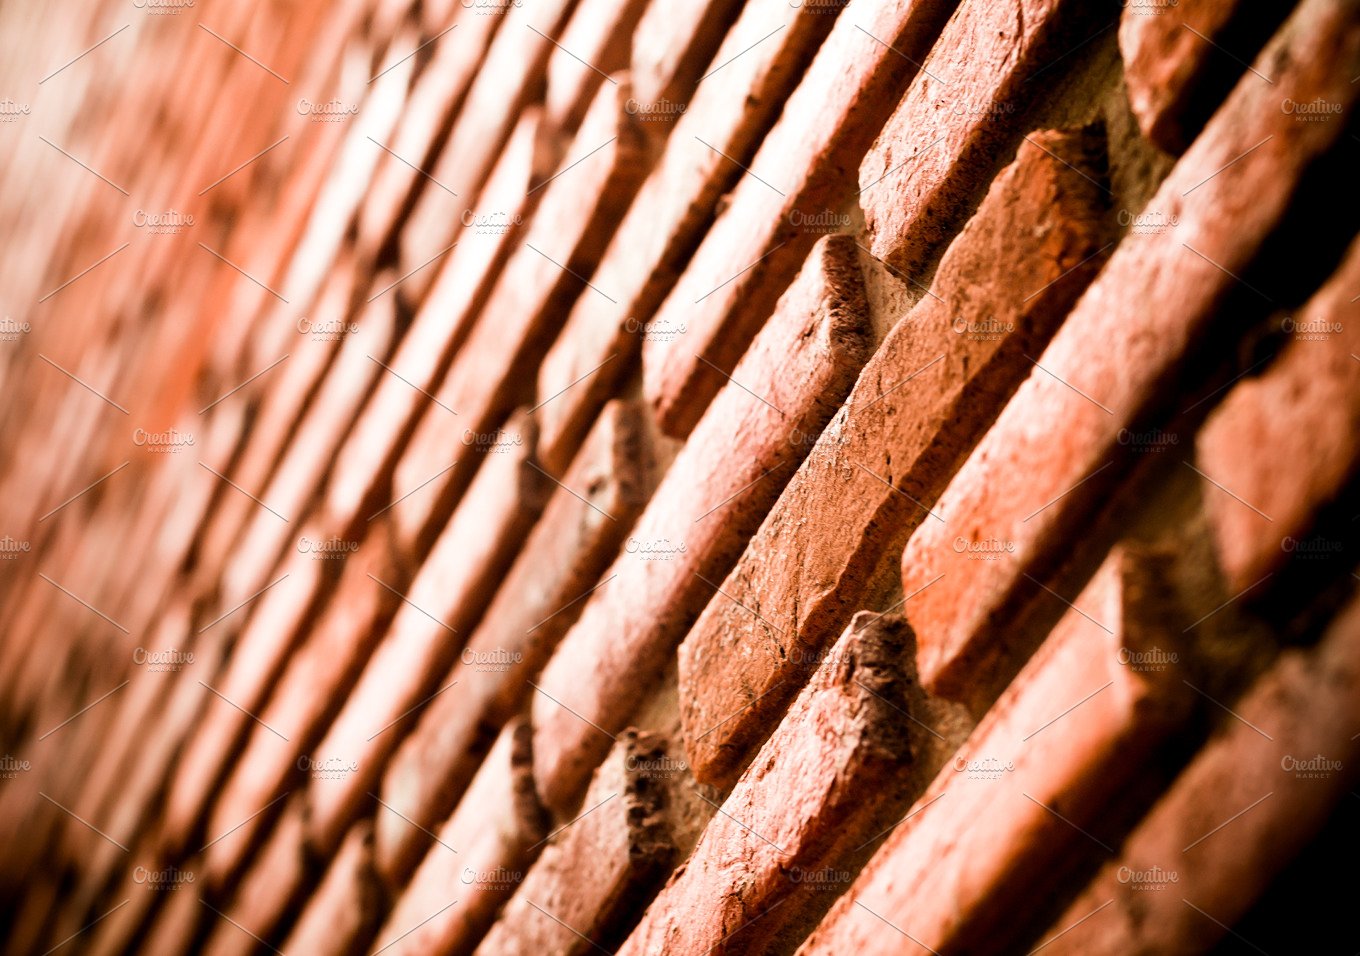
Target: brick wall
point(679, 476)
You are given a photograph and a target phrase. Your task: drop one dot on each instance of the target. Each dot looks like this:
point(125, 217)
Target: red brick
point(944, 139)
point(277, 756)
point(596, 42)
point(492, 371)
point(343, 912)
point(1073, 730)
point(926, 396)
point(1181, 59)
point(712, 499)
point(755, 247)
point(465, 280)
point(508, 79)
point(443, 604)
point(560, 562)
point(590, 885)
point(1304, 408)
point(797, 823)
point(764, 54)
point(480, 858)
point(1236, 815)
point(1106, 368)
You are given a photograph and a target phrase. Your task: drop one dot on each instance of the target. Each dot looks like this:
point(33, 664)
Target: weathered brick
point(942, 142)
point(582, 528)
point(757, 245)
point(1253, 797)
point(443, 604)
point(788, 836)
point(589, 886)
point(1304, 408)
point(1105, 369)
point(926, 396)
point(763, 55)
point(712, 499)
point(1181, 59)
point(492, 371)
point(479, 858)
point(1022, 796)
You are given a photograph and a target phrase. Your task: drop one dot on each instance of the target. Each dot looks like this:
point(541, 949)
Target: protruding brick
point(589, 886)
point(1021, 799)
point(940, 146)
point(1262, 787)
point(1181, 59)
point(926, 396)
point(1304, 408)
point(796, 825)
point(1033, 483)
point(757, 245)
point(712, 499)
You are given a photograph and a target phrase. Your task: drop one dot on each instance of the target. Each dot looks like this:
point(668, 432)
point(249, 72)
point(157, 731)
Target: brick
point(589, 886)
point(277, 756)
point(349, 179)
point(1181, 60)
point(1106, 368)
point(596, 42)
point(792, 827)
point(274, 421)
point(1261, 788)
point(490, 375)
point(711, 500)
point(1304, 407)
point(582, 528)
point(266, 892)
point(508, 79)
point(763, 54)
point(311, 451)
point(343, 912)
point(257, 658)
point(941, 144)
point(757, 245)
point(441, 607)
point(938, 380)
point(364, 463)
point(424, 123)
point(1075, 728)
point(672, 47)
point(479, 858)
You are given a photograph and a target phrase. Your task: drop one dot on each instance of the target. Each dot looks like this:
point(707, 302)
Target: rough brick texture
point(689, 476)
